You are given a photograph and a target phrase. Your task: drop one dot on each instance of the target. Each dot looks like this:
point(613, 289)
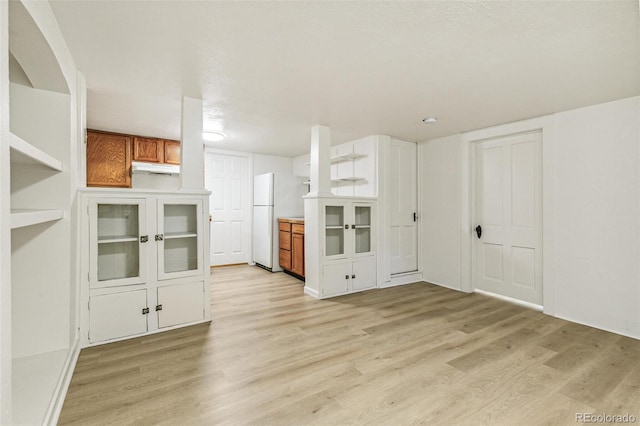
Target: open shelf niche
point(42, 142)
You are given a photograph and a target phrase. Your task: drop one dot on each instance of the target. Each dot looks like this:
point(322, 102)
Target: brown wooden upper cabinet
point(109, 156)
point(150, 150)
point(172, 152)
point(154, 150)
point(108, 159)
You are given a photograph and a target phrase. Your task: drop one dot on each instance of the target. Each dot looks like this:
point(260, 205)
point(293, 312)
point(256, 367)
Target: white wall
point(439, 175)
point(271, 164)
point(597, 216)
point(155, 181)
point(301, 165)
point(591, 202)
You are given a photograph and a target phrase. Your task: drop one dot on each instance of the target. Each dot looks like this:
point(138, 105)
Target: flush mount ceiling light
point(430, 120)
point(214, 136)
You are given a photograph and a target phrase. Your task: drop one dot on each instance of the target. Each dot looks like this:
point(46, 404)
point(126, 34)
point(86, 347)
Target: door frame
point(248, 217)
point(467, 246)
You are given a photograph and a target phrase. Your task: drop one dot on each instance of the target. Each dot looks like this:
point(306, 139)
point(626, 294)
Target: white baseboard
point(57, 400)
point(402, 279)
point(311, 292)
point(599, 327)
point(511, 300)
point(446, 286)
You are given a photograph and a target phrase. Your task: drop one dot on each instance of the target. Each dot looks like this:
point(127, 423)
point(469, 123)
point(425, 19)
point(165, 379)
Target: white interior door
point(509, 211)
point(403, 202)
point(227, 177)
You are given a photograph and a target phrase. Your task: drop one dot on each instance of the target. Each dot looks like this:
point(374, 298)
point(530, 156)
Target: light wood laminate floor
point(406, 355)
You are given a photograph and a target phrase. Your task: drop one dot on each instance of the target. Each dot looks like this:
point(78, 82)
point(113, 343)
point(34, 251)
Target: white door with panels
point(508, 216)
point(403, 202)
point(227, 177)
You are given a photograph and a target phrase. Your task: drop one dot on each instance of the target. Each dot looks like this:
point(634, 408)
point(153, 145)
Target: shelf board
point(34, 381)
point(174, 235)
point(346, 157)
point(334, 227)
point(23, 152)
point(27, 217)
point(117, 239)
point(306, 182)
point(363, 226)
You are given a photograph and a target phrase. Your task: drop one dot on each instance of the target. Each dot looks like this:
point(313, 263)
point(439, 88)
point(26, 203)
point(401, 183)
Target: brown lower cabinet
point(292, 245)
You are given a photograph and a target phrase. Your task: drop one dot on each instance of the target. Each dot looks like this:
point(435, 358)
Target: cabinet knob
point(353, 276)
point(158, 307)
point(145, 311)
point(159, 237)
point(144, 238)
point(346, 277)
point(353, 227)
point(346, 227)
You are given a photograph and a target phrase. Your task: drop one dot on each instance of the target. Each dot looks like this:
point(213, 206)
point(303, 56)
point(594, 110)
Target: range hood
point(153, 168)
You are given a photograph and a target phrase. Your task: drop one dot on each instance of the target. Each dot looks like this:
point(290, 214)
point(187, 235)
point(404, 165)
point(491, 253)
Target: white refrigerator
point(274, 195)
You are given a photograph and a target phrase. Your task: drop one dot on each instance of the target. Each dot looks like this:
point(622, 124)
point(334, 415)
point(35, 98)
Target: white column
point(191, 146)
point(319, 173)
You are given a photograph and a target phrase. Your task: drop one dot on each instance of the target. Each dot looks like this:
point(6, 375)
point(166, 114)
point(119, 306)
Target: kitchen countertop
point(299, 220)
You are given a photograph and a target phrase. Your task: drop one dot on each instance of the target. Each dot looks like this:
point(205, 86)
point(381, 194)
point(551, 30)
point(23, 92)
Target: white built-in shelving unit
point(39, 140)
point(338, 177)
point(23, 154)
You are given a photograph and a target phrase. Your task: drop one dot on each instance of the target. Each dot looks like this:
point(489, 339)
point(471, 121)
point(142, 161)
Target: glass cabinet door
point(179, 238)
point(334, 224)
point(362, 222)
point(118, 240)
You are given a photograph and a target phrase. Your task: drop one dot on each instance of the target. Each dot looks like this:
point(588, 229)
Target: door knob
point(479, 231)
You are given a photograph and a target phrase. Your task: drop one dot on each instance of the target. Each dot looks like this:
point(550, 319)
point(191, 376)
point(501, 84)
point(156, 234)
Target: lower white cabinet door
point(180, 303)
point(117, 315)
point(363, 275)
point(335, 279)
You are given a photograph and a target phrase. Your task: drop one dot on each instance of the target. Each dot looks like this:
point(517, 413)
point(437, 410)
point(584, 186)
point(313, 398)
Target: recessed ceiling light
point(430, 120)
point(214, 136)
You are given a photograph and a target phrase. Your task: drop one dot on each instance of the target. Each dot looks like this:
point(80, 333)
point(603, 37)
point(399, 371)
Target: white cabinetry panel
point(335, 279)
point(181, 304)
point(116, 315)
point(363, 274)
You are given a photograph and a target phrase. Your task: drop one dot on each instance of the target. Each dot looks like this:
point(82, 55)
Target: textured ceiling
point(268, 71)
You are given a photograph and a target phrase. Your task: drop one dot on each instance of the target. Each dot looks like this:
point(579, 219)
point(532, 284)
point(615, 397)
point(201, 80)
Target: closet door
point(403, 202)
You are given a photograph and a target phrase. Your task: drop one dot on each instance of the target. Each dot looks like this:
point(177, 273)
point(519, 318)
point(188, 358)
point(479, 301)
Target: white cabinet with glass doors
point(145, 263)
point(349, 262)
